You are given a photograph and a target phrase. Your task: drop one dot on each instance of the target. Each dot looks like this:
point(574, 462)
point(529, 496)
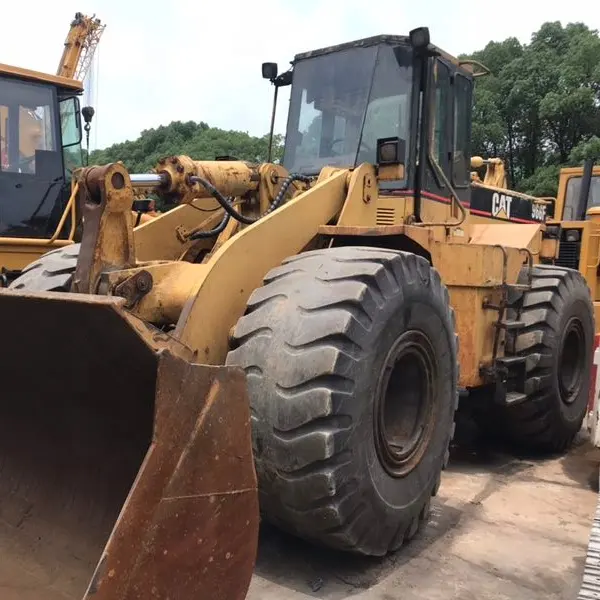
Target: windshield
point(342, 102)
point(572, 196)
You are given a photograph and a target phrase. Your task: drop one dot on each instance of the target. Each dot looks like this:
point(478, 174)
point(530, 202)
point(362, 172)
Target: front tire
point(52, 272)
point(351, 360)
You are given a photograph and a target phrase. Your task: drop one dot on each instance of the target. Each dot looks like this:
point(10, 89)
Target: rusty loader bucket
point(125, 468)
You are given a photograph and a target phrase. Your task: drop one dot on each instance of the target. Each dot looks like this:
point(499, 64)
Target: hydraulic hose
point(202, 235)
point(214, 192)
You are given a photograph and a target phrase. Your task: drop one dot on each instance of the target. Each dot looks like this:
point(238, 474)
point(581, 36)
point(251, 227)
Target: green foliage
point(540, 108)
point(197, 140)
point(543, 182)
point(587, 149)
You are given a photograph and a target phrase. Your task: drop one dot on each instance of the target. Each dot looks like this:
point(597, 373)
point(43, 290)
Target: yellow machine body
point(134, 439)
point(576, 226)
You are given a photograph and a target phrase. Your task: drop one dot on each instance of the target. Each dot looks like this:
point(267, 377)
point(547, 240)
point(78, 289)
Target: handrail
point(69, 207)
point(455, 198)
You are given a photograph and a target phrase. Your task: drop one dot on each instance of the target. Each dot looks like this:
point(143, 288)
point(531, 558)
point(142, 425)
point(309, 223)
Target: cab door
point(449, 140)
point(31, 164)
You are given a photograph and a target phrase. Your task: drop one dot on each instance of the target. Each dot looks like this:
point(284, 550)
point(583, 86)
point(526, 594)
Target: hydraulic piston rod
point(148, 180)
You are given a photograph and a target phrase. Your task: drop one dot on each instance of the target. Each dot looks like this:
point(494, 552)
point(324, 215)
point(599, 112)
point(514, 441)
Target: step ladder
point(504, 368)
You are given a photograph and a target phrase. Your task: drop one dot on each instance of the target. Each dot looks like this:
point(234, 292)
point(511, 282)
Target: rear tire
point(557, 341)
point(52, 272)
point(351, 360)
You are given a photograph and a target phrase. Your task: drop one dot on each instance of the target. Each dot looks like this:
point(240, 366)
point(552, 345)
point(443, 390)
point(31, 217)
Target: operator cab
point(350, 102)
point(582, 192)
point(343, 100)
point(40, 146)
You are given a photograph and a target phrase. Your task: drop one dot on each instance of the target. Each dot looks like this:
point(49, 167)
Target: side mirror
point(269, 70)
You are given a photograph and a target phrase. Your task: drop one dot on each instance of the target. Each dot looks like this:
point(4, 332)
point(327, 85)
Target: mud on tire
point(558, 343)
point(52, 272)
point(351, 360)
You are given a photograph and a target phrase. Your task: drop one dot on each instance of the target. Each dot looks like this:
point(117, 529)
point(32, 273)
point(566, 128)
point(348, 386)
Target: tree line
point(538, 109)
point(197, 140)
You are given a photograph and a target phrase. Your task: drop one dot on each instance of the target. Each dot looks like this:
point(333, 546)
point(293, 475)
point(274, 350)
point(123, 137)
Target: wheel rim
point(571, 362)
point(404, 403)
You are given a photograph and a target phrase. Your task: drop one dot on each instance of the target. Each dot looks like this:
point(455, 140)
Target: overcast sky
point(200, 59)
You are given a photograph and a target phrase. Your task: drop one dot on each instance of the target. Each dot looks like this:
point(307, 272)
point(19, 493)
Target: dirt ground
point(502, 528)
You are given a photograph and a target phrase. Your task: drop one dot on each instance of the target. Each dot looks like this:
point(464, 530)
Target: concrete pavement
point(502, 528)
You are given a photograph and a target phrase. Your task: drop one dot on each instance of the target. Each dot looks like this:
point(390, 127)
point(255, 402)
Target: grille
point(568, 254)
point(386, 216)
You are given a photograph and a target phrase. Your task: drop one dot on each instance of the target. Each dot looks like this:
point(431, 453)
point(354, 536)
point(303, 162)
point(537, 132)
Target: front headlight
point(572, 235)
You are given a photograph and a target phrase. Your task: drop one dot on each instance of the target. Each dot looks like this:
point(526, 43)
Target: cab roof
point(391, 40)
point(62, 83)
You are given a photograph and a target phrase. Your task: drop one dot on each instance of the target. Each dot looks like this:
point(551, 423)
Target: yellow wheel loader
point(40, 148)
point(40, 145)
point(576, 225)
point(288, 338)
point(491, 200)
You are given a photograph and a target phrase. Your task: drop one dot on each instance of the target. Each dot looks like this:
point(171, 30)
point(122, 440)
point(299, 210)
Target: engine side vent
point(568, 254)
point(386, 215)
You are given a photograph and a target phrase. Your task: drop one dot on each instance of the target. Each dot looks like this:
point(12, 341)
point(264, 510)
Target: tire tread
point(344, 287)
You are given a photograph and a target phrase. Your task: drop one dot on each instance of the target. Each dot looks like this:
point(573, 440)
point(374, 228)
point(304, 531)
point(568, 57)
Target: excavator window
point(343, 101)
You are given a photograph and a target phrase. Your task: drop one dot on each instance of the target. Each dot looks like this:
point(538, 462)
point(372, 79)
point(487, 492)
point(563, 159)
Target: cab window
point(442, 115)
point(462, 131)
point(572, 196)
point(27, 124)
point(70, 124)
